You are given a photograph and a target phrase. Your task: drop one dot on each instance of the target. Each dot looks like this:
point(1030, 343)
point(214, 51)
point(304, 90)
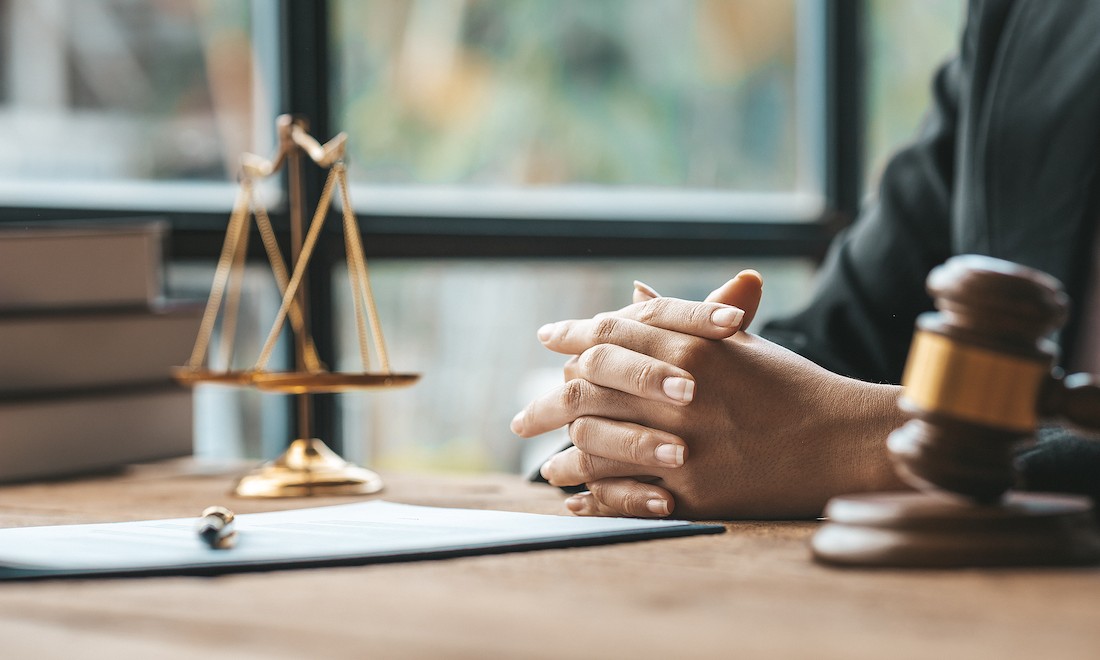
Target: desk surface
point(752, 592)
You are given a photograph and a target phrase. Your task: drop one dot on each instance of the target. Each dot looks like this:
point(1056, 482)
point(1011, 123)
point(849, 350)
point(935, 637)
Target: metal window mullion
point(844, 108)
point(304, 75)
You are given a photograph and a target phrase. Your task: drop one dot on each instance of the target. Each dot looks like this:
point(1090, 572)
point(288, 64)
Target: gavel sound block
point(978, 379)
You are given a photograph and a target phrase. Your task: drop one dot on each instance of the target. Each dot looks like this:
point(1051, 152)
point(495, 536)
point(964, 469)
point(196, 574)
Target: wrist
point(867, 413)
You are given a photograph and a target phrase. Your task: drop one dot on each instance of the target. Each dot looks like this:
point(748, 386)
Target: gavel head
point(975, 375)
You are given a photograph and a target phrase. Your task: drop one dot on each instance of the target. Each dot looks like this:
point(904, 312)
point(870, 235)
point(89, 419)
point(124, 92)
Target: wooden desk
point(749, 593)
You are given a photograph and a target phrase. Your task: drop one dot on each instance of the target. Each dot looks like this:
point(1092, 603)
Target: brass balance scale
point(308, 467)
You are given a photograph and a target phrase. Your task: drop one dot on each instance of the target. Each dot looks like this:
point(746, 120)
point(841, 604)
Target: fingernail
point(659, 507)
point(679, 389)
point(517, 423)
point(574, 503)
point(544, 471)
point(670, 454)
point(546, 331)
point(753, 273)
point(727, 317)
point(645, 289)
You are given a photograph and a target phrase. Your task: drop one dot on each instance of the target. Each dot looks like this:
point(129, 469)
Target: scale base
point(918, 530)
point(308, 468)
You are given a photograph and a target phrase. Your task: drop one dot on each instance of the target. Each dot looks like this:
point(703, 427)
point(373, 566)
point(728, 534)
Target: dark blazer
point(1005, 165)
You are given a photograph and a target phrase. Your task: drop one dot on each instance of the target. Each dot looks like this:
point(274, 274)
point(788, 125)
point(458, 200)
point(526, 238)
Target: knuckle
point(590, 361)
point(634, 502)
point(618, 497)
point(586, 466)
point(699, 316)
point(599, 490)
point(634, 447)
point(605, 329)
point(644, 377)
point(572, 394)
point(580, 432)
point(653, 310)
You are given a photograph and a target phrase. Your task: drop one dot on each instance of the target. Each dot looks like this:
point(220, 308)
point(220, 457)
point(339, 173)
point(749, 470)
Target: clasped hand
point(670, 406)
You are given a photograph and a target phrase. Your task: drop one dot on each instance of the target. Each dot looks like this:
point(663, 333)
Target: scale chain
point(235, 284)
point(278, 267)
point(221, 277)
point(357, 262)
point(316, 224)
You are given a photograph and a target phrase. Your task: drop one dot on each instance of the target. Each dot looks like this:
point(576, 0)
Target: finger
point(632, 326)
point(622, 497)
point(576, 336)
point(627, 443)
point(585, 504)
point(743, 291)
point(622, 369)
point(578, 398)
point(644, 292)
point(573, 467)
point(609, 448)
point(708, 319)
point(634, 373)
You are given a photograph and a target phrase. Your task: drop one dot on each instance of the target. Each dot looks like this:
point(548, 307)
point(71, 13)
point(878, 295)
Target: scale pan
point(304, 382)
point(190, 377)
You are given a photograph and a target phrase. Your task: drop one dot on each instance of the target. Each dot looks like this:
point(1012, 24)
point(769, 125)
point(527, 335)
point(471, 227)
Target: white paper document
point(363, 532)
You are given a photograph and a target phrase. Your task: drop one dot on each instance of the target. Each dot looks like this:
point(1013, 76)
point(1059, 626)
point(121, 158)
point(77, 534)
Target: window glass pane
point(908, 39)
point(664, 94)
point(102, 91)
point(469, 327)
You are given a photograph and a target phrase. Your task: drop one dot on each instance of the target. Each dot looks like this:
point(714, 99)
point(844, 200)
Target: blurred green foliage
point(697, 94)
point(907, 40)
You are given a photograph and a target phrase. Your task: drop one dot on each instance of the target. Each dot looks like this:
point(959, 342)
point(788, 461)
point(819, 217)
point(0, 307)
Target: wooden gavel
point(980, 377)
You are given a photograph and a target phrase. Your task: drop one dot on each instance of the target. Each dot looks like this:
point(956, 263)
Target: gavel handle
point(1075, 398)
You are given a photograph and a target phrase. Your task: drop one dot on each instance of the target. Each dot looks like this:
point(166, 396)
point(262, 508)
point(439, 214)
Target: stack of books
point(87, 342)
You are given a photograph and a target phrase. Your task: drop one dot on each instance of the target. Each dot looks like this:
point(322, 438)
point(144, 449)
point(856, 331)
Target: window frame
point(303, 89)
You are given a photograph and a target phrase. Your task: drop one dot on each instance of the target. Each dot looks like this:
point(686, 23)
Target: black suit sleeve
point(1062, 461)
point(871, 287)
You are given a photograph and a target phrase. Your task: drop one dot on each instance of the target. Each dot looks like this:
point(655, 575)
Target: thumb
point(743, 291)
